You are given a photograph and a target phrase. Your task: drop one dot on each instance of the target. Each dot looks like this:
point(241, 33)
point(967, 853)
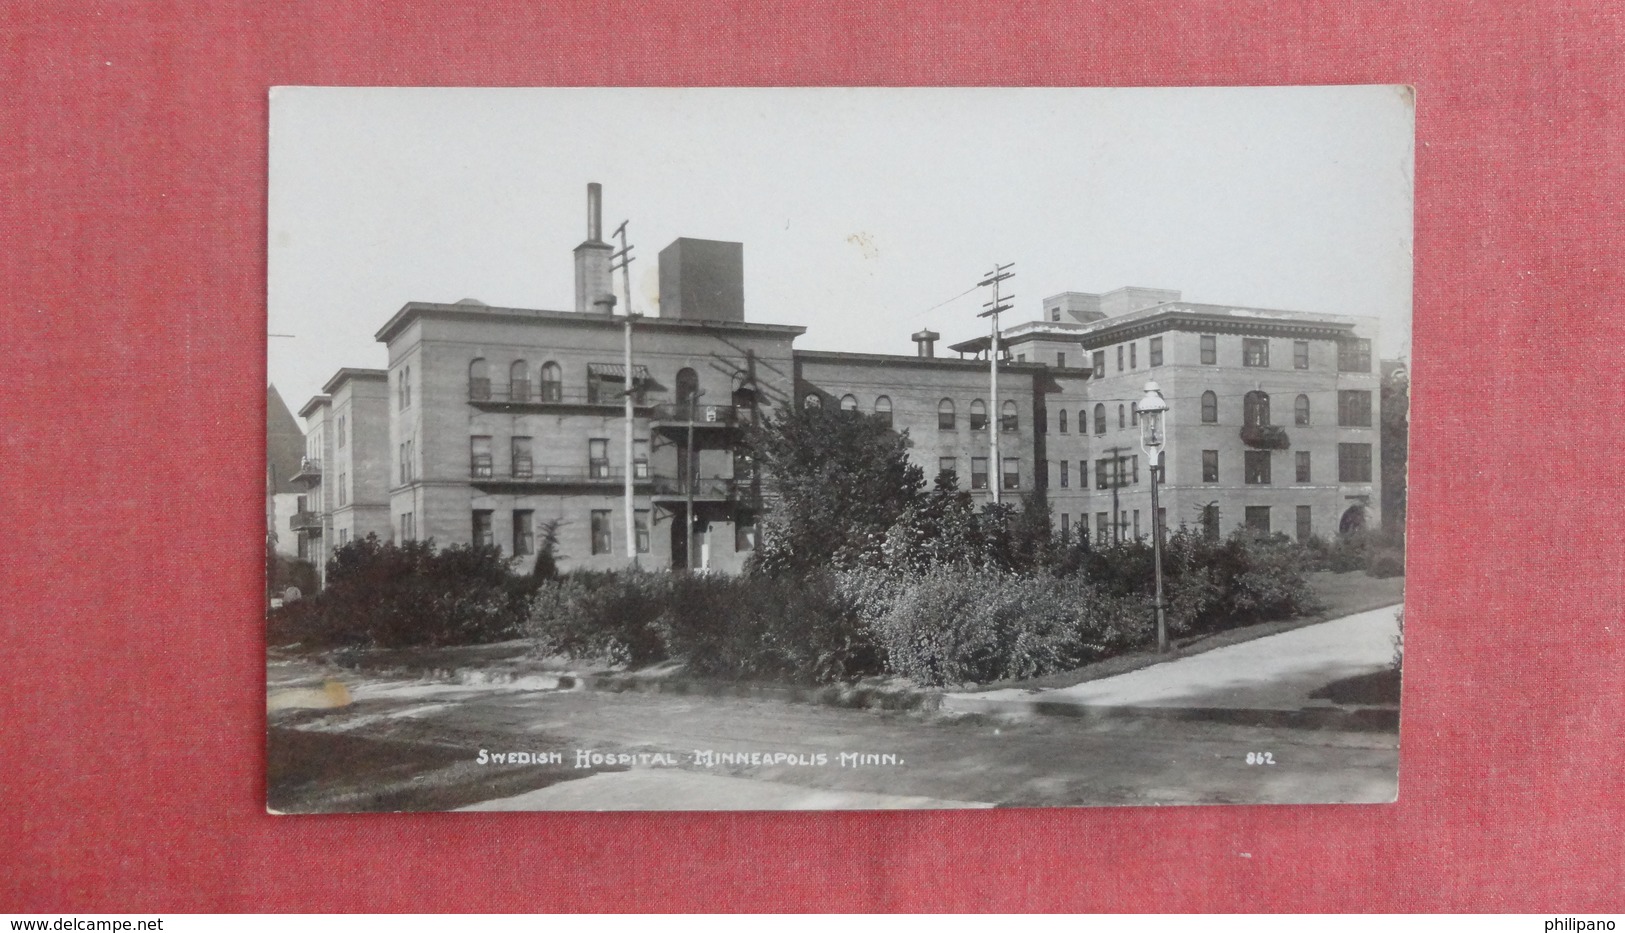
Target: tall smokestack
point(595, 212)
point(593, 292)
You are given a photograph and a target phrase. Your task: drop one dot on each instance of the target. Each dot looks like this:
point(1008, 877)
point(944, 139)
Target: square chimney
point(702, 280)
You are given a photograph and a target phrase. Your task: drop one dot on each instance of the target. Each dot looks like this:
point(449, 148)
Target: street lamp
point(1153, 411)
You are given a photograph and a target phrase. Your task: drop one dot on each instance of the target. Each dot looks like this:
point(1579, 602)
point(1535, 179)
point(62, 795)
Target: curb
point(1339, 718)
point(836, 695)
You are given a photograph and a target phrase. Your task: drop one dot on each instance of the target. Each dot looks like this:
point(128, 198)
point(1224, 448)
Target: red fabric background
point(132, 388)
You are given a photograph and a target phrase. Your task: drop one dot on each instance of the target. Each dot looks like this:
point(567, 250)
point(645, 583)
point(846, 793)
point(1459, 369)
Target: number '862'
point(1260, 758)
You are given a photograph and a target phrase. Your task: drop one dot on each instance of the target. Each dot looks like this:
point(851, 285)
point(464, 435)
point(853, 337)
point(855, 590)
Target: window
point(600, 531)
point(1255, 351)
point(1305, 524)
point(1354, 463)
point(1009, 423)
point(1133, 356)
point(978, 416)
point(1103, 474)
point(1210, 350)
point(1119, 357)
point(598, 458)
point(1060, 360)
point(811, 400)
point(1122, 416)
point(344, 536)
point(409, 526)
point(1061, 421)
point(978, 472)
point(552, 382)
point(1210, 466)
point(1300, 410)
point(523, 465)
point(1066, 474)
point(1100, 528)
point(1066, 529)
point(745, 535)
point(1210, 521)
point(883, 409)
point(400, 391)
point(1100, 419)
point(948, 465)
point(479, 380)
point(1012, 473)
point(1353, 408)
point(1301, 457)
point(1099, 364)
point(640, 529)
point(406, 384)
point(1021, 358)
point(524, 532)
point(1156, 351)
point(1134, 462)
point(640, 460)
point(1136, 524)
point(1258, 518)
point(519, 381)
point(344, 489)
point(1257, 467)
point(1055, 314)
point(402, 453)
point(1354, 356)
point(744, 463)
point(1134, 415)
point(1300, 354)
point(1210, 408)
point(479, 456)
point(341, 432)
point(1255, 409)
point(849, 403)
point(945, 415)
point(482, 528)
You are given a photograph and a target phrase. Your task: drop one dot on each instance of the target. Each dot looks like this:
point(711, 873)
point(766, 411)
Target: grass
point(1341, 594)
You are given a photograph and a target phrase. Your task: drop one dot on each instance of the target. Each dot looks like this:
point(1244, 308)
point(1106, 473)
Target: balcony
point(310, 472)
point(678, 417)
point(520, 396)
point(702, 488)
point(534, 478)
point(1265, 437)
point(306, 521)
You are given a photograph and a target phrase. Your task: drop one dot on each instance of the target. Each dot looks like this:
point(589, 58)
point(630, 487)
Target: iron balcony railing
point(310, 468)
point(483, 392)
point(557, 476)
point(305, 521)
point(701, 487)
point(700, 414)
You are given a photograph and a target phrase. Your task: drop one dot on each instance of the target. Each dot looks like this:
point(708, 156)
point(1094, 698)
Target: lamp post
point(1153, 411)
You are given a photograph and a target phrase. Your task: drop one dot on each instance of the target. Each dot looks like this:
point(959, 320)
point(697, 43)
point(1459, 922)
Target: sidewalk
point(1268, 680)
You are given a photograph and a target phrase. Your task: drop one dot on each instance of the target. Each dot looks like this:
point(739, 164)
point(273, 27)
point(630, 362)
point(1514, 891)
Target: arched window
point(849, 403)
point(688, 388)
point(1210, 408)
point(883, 409)
point(519, 381)
point(552, 382)
point(1100, 419)
point(945, 415)
point(811, 400)
point(1255, 409)
point(479, 379)
point(978, 416)
point(1300, 410)
point(1008, 422)
point(1122, 416)
point(1062, 423)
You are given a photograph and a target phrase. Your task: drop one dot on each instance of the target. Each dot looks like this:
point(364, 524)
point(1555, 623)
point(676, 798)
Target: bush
point(950, 627)
point(394, 596)
point(613, 616)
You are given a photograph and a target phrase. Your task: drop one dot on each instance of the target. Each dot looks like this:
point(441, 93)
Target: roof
point(284, 443)
point(1187, 315)
point(899, 359)
point(316, 401)
point(347, 373)
point(415, 309)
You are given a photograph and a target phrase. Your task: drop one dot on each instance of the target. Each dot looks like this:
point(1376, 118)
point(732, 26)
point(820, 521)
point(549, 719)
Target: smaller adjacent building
point(343, 473)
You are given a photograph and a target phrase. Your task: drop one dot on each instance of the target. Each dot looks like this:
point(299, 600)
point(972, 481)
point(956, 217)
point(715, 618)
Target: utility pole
point(623, 260)
point(995, 419)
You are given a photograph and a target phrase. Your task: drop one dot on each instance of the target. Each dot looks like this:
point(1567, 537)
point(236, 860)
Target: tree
point(942, 528)
point(842, 479)
point(1396, 413)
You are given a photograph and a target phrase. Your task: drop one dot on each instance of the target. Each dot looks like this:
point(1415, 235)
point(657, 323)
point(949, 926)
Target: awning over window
point(616, 372)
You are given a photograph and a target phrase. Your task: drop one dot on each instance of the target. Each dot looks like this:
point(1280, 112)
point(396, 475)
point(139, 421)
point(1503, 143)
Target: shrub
point(393, 596)
point(802, 629)
point(950, 626)
point(613, 616)
point(1385, 562)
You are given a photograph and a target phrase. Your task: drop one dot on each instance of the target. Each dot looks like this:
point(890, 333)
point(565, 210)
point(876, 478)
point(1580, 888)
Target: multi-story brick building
point(505, 423)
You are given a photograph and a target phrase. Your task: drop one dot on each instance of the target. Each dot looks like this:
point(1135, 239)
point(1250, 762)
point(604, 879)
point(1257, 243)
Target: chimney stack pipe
point(595, 212)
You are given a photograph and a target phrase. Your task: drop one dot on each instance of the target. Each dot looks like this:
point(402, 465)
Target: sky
point(866, 214)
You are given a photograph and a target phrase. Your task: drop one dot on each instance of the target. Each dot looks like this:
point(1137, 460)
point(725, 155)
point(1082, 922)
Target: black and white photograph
point(836, 448)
